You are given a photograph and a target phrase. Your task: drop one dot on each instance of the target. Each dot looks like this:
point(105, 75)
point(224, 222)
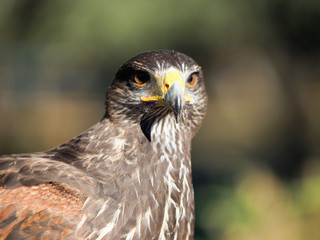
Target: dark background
point(256, 159)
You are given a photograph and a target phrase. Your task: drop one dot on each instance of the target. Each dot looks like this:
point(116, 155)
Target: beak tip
point(177, 115)
point(174, 99)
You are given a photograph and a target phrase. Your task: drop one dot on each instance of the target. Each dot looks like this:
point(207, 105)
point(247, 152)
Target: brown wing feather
point(41, 198)
point(47, 211)
point(34, 169)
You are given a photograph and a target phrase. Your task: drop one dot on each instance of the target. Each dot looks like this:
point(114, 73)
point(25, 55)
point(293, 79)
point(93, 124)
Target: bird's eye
point(192, 79)
point(140, 78)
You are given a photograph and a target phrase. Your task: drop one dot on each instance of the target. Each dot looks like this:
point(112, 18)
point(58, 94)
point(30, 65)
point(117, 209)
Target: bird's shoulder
point(20, 170)
point(48, 211)
point(40, 197)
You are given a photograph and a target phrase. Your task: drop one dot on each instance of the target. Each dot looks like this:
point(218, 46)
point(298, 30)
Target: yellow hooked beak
point(173, 93)
point(171, 78)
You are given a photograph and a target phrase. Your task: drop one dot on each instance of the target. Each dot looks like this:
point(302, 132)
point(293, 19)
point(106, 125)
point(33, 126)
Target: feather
point(126, 177)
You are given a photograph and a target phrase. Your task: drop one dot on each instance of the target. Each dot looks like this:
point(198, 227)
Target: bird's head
point(154, 84)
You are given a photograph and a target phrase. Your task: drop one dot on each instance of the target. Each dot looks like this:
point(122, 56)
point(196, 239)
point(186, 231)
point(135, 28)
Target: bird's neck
point(171, 141)
point(168, 179)
point(108, 147)
point(150, 182)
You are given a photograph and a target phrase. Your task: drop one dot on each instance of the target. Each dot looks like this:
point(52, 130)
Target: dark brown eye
point(140, 78)
point(192, 79)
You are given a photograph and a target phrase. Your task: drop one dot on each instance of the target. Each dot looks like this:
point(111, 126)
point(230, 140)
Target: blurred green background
point(256, 160)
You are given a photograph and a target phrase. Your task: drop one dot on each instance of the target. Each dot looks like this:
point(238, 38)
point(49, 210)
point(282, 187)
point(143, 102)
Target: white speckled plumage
point(129, 174)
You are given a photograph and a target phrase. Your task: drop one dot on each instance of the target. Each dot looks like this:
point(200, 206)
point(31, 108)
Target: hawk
point(128, 176)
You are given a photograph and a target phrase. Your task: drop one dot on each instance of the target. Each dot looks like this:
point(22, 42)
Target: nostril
point(167, 86)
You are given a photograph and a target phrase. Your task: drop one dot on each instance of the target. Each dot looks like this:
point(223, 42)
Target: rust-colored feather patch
point(42, 211)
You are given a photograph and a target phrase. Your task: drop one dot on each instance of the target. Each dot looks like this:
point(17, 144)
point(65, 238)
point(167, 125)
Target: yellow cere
point(173, 76)
point(170, 78)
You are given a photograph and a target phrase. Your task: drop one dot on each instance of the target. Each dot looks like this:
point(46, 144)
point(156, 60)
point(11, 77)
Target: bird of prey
point(128, 176)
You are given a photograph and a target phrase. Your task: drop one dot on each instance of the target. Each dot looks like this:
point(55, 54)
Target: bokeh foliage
point(255, 160)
